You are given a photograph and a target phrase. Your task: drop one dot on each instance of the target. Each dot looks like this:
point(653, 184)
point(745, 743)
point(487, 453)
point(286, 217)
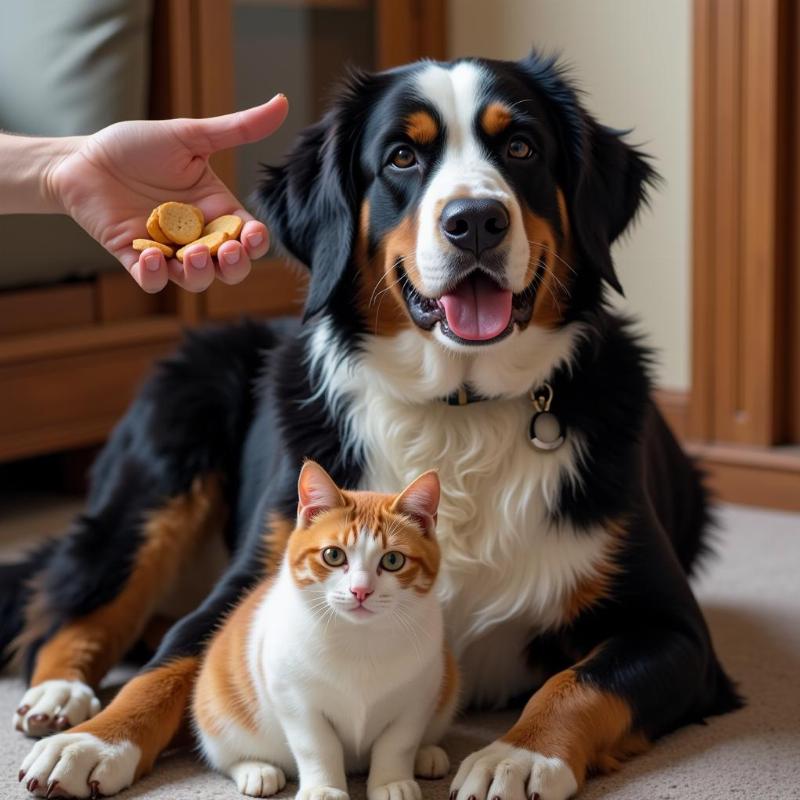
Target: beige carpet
point(751, 596)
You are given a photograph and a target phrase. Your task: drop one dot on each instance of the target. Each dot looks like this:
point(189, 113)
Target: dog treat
point(212, 241)
point(143, 244)
point(227, 223)
point(180, 222)
point(154, 229)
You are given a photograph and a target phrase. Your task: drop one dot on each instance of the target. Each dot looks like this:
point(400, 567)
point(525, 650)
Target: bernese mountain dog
point(457, 221)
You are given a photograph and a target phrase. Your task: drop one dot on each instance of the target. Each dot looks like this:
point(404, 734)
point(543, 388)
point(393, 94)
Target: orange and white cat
point(337, 664)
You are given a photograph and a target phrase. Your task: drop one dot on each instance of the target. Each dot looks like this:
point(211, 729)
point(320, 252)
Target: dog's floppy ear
point(605, 179)
point(310, 204)
point(607, 187)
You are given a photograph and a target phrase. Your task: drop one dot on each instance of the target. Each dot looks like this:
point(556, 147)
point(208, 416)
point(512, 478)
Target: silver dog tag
point(546, 431)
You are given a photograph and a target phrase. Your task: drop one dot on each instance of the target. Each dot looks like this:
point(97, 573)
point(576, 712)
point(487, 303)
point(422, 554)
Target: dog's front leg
point(591, 717)
point(109, 752)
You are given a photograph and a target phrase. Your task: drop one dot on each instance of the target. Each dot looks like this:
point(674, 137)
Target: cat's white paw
point(397, 790)
point(79, 765)
point(321, 793)
point(257, 778)
point(55, 706)
point(431, 762)
point(512, 773)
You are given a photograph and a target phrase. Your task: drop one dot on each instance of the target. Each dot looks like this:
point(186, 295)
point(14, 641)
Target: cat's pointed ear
point(420, 501)
point(316, 492)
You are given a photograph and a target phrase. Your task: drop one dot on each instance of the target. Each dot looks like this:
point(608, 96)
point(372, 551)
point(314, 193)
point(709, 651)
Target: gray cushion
point(68, 67)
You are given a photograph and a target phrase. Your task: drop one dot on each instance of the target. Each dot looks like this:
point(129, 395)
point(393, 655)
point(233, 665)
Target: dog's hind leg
point(75, 659)
point(161, 483)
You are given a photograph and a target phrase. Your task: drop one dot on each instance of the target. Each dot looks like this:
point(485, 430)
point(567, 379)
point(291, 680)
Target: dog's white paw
point(397, 790)
point(512, 773)
point(79, 765)
point(257, 778)
point(321, 793)
point(55, 706)
point(431, 762)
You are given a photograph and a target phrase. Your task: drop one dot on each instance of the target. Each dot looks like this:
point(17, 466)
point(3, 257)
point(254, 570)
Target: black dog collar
point(546, 431)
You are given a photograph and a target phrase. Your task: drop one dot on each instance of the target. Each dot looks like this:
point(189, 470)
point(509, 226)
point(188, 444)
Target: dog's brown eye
point(403, 158)
point(519, 148)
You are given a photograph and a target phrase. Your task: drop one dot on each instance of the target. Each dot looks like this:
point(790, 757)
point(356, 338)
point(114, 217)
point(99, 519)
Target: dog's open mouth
point(476, 311)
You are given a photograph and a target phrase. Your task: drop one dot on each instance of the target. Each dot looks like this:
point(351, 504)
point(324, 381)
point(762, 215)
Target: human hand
point(109, 183)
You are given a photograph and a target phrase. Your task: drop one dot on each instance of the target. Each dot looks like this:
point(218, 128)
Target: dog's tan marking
point(587, 728)
point(86, 648)
point(594, 588)
point(380, 295)
point(148, 711)
point(421, 127)
point(495, 118)
point(553, 291)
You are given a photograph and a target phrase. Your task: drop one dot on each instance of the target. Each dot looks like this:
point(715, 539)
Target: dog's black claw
point(61, 723)
point(33, 784)
point(21, 775)
point(51, 788)
point(23, 710)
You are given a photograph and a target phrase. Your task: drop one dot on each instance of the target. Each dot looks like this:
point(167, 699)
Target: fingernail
point(255, 239)
point(231, 255)
point(153, 263)
point(280, 94)
point(199, 260)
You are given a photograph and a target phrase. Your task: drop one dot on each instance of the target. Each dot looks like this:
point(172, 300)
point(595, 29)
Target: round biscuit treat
point(143, 244)
point(227, 223)
point(212, 241)
point(154, 229)
point(200, 215)
point(179, 222)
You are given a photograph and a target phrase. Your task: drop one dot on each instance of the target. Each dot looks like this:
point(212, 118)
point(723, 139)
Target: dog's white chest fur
point(507, 570)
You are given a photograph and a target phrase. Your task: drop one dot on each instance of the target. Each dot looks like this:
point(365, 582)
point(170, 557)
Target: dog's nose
point(475, 225)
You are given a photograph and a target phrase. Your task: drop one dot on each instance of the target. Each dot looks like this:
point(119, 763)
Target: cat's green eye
point(334, 556)
point(393, 561)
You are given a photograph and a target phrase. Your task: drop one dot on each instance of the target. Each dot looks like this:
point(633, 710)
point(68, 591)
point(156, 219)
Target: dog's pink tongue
point(478, 309)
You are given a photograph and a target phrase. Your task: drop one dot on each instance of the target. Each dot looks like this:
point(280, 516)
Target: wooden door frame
point(738, 416)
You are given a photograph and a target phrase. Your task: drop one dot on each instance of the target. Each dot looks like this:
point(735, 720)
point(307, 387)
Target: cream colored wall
point(633, 59)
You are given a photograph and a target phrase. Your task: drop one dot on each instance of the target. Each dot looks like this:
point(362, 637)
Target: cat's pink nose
point(361, 593)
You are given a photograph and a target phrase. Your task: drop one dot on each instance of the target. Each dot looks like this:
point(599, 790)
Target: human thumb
point(241, 127)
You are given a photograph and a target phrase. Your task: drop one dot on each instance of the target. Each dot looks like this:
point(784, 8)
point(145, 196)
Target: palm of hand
point(110, 182)
point(113, 181)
